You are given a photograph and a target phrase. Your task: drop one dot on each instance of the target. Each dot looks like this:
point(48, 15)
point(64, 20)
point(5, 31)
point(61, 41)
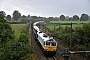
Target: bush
point(81, 47)
point(24, 20)
point(15, 51)
point(11, 49)
point(23, 38)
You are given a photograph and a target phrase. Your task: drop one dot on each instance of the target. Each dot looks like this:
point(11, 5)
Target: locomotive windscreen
point(51, 43)
point(48, 43)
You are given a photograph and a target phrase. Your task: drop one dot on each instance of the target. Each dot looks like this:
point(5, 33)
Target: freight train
point(48, 44)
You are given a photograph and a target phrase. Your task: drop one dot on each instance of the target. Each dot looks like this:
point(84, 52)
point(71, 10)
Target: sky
point(46, 8)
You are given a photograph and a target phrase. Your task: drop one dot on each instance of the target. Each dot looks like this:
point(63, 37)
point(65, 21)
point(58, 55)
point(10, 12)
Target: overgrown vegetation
point(10, 48)
point(80, 35)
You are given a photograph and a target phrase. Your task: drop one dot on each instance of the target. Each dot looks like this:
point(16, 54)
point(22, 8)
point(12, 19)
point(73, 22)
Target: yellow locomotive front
point(50, 47)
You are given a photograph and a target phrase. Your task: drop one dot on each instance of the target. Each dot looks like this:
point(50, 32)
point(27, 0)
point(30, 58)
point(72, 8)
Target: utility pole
point(66, 54)
point(71, 36)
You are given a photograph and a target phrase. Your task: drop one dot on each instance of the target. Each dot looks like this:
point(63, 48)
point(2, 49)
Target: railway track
point(60, 51)
point(51, 58)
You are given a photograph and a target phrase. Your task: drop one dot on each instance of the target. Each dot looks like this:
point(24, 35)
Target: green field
point(51, 24)
point(18, 28)
point(69, 21)
point(73, 25)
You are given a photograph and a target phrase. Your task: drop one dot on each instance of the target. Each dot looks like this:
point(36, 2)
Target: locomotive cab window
point(47, 43)
point(53, 43)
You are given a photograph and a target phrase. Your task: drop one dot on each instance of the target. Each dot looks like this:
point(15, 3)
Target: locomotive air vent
point(45, 35)
point(40, 32)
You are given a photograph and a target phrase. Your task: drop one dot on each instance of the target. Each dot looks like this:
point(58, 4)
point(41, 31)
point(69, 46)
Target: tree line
point(16, 15)
point(83, 17)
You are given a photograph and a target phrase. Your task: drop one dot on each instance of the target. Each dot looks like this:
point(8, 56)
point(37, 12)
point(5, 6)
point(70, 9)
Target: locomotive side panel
point(43, 41)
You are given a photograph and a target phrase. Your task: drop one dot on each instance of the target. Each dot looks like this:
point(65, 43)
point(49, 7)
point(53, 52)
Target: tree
point(28, 16)
point(67, 18)
point(2, 13)
point(11, 49)
point(89, 17)
point(84, 17)
point(6, 32)
point(8, 17)
point(16, 15)
point(34, 17)
point(62, 17)
point(51, 18)
point(24, 20)
point(24, 16)
point(71, 18)
point(75, 17)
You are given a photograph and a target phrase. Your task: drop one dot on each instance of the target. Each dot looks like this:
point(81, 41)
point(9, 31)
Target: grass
point(73, 25)
point(70, 21)
point(51, 26)
point(17, 28)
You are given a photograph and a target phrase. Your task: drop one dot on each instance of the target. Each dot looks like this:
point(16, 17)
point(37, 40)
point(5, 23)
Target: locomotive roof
point(36, 28)
point(45, 37)
point(37, 22)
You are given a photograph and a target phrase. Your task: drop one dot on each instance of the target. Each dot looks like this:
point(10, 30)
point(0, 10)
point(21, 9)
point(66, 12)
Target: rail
point(61, 52)
point(51, 58)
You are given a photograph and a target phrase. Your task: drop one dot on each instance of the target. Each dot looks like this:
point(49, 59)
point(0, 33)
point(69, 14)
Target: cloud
point(46, 7)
